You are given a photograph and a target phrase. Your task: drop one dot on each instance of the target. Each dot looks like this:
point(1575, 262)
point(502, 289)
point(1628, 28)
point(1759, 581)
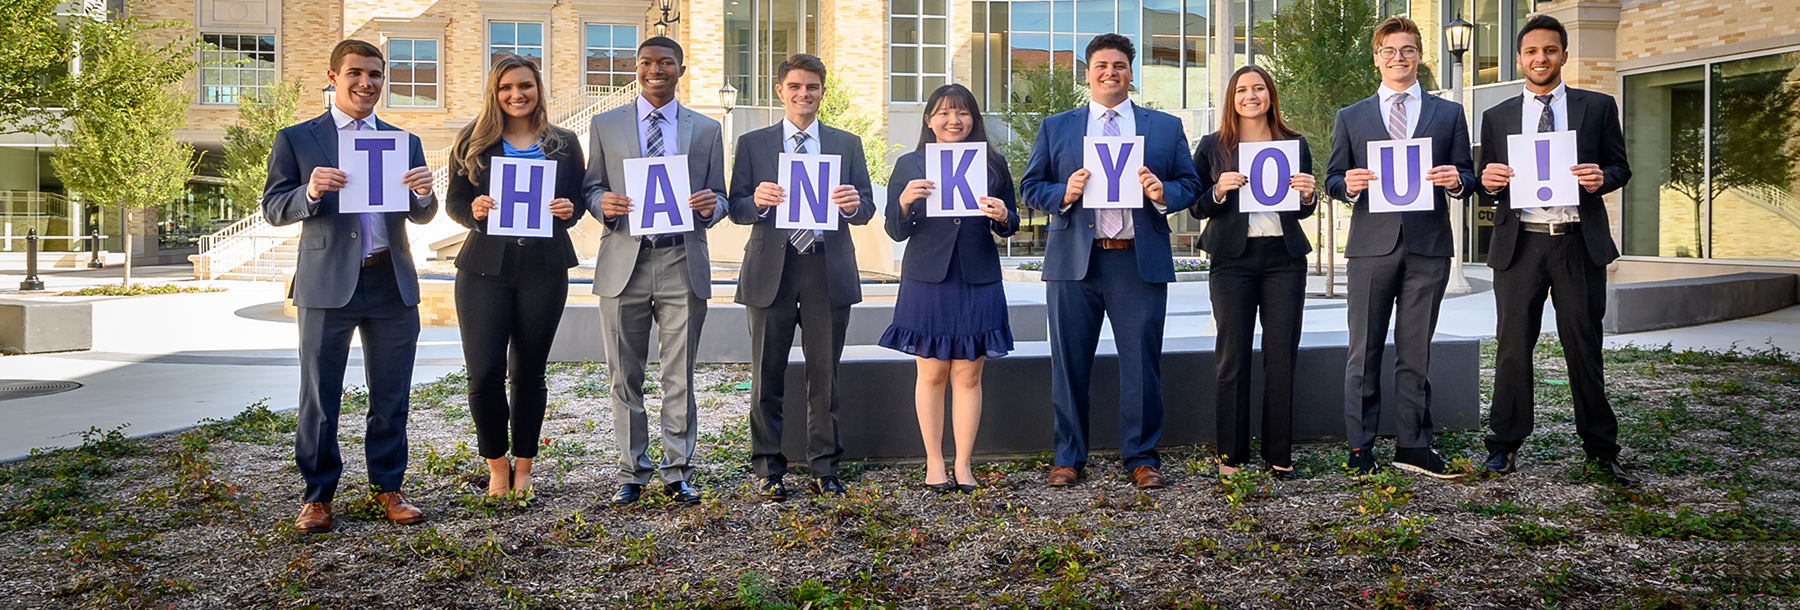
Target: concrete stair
point(270, 266)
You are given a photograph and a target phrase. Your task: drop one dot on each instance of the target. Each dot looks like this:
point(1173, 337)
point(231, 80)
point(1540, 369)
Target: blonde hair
point(475, 138)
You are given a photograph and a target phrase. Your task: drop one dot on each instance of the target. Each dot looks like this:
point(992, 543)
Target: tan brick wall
point(859, 60)
point(1657, 28)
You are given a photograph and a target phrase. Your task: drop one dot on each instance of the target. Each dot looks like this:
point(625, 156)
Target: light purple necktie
point(1111, 221)
point(368, 223)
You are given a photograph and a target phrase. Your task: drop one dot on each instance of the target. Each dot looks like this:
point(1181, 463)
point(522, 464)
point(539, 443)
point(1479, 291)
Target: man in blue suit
point(1400, 261)
point(1111, 263)
point(355, 275)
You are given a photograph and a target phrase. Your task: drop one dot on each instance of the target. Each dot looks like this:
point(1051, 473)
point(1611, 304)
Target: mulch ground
point(201, 519)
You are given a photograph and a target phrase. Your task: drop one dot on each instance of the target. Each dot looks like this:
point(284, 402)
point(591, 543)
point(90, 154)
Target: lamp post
point(1456, 38)
point(330, 92)
point(662, 25)
point(728, 100)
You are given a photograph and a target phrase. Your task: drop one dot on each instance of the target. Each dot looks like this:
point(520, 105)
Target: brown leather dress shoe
point(1148, 477)
point(398, 510)
point(315, 518)
point(1063, 476)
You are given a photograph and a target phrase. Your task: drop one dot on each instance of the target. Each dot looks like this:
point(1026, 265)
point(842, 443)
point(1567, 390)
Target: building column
point(702, 32)
point(1593, 51)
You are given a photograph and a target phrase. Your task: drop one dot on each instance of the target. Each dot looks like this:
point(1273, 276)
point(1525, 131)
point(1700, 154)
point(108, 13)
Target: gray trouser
point(1410, 287)
point(659, 291)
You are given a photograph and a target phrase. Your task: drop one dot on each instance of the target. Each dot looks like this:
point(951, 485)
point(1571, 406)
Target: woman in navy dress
point(951, 311)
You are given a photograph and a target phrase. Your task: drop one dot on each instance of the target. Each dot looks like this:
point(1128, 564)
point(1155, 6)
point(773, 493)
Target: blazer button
point(353, 235)
point(521, 241)
point(1090, 225)
point(958, 221)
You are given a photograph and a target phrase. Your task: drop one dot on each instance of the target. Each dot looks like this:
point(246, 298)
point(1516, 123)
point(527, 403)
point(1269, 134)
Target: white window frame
point(487, 46)
point(202, 67)
point(919, 18)
point(437, 62)
point(586, 45)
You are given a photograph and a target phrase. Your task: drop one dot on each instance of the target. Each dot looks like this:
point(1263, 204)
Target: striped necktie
point(1396, 123)
point(803, 239)
point(366, 220)
point(1111, 221)
point(653, 147)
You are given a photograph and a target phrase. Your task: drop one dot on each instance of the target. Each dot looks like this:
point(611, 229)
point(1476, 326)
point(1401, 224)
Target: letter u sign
point(1400, 167)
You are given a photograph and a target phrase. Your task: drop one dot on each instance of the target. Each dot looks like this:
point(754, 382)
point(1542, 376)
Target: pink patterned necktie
point(366, 220)
point(1397, 117)
point(1111, 221)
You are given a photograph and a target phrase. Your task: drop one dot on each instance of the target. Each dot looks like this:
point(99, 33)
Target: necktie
point(654, 146)
point(803, 239)
point(1547, 120)
point(1397, 117)
point(1111, 221)
point(366, 220)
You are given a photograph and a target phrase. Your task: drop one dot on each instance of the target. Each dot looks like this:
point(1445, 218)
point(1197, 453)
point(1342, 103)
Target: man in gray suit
point(1396, 260)
point(797, 277)
point(355, 275)
point(664, 279)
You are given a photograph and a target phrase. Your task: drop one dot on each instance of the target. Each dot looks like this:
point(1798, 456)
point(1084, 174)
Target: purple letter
point(956, 182)
point(659, 196)
point(1387, 176)
point(817, 195)
point(375, 147)
point(1543, 167)
point(1281, 171)
point(1114, 166)
point(511, 195)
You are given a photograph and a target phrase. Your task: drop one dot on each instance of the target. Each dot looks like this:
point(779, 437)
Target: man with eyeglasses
point(1398, 260)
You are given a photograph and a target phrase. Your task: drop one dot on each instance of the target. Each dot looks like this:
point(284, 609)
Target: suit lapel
point(684, 130)
point(326, 133)
point(1576, 107)
point(1427, 109)
point(1372, 120)
point(1510, 115)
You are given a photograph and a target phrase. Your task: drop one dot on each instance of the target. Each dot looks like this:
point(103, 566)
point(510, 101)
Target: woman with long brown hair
point(510, 290)
point(1258, 266)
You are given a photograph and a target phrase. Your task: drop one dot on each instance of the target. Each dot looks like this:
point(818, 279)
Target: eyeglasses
point(1408, 52)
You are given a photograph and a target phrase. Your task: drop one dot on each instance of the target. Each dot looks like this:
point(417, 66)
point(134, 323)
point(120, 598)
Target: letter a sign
point(1112, 164)
point(374, 161)
point(808, 180)
point(961, 174)
point(658, 188)
point(522, 190)
point(1400, 167)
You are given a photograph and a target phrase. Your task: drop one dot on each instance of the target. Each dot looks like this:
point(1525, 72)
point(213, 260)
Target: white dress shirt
point(1529, 113)
point(378, 238)
point(1415, 98)
point(669, 139)
point(1096, 127)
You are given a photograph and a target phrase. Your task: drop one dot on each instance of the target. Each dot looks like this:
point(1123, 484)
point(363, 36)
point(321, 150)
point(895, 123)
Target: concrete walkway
point(166, 362)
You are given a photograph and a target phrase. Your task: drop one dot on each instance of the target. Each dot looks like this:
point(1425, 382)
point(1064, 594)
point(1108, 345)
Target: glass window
point(918, 61)
point(1755, 214)
point(1665, 203)
point(412, 73)
point(764, 35)
point(1487, 43)
point(1160, 58)
point(524, 39)
point(1196, 50)
point(235, 65)
point(611, 55)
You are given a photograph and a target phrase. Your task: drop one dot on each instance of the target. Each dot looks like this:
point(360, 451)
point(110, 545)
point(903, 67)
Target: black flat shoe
point(772, 490)
point(943, 488)
point(681, 492)
point(968, 489)
point(1284, 475)
point(627, 494)
point(1360, 464)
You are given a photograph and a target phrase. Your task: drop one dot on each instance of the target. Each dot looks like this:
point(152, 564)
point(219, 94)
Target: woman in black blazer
point(510, 290)
point(1258, 263)
point(951, 311)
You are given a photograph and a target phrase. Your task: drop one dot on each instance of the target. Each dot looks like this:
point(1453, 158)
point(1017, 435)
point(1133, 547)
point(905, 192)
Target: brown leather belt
point(379, 258)
point(1551, 228)
point(1111, 244)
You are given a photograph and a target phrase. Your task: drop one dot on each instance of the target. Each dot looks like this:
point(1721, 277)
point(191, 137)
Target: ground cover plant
point(199, 519)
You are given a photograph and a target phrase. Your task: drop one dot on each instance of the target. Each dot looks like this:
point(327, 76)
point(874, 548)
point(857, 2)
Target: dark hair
point(1111, 41)
point(664, 42)
point(800, 61)
point(1395, 25)
point(1543, 22)
point(958, 96)
point(1224, 153)
point(352, 46)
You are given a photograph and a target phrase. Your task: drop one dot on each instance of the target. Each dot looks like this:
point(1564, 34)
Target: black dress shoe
point(1614, 472)
point(1360, 464)
point(1423, 461)
point(943, 488)
point(1500, 463)
point(826, 486)
point(970, 488)
point(679, 491)
point(772, 490)
point(628, 494)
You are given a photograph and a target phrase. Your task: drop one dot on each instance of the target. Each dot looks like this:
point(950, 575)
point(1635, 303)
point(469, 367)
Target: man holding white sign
point(1400, 242)
point(1109, 264)
point(354, 276)
point(653, 265)
point(1551, 241)
point(804, 277)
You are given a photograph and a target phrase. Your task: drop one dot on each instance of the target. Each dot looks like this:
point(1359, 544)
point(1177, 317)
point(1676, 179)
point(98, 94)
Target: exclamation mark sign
point(1543, 170)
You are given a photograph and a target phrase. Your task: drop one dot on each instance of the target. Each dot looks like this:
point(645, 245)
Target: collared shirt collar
point(1415, 91)
point(668, 110)
point(1096, 110)
point(1559, 94)
point(341, 118)
point(788, 130)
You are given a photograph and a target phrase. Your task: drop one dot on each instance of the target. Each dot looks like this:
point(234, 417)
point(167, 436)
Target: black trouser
point(1269, 281)
point(1409, 287)
point(1556, 266)
point(804, 299)
point(390, 335)
point(508, 322)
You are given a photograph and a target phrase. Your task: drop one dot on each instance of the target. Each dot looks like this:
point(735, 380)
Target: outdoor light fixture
point(728, 97)
point(1457, 36)
point(330, 92)
point(662, 25)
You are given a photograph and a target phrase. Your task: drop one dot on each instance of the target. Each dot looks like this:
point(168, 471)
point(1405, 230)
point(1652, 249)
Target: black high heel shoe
point(943, 488)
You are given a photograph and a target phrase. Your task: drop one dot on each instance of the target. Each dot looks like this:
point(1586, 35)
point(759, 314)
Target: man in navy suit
point(1397, 259)
point(1557, 252)
point(1111, 263)
point(355, 275)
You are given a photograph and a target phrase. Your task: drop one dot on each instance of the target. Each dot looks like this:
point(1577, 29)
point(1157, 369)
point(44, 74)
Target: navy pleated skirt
point(950, 320)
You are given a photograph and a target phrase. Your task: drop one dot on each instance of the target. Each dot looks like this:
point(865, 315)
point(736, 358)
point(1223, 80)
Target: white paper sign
point(1400, 184)
point(960, 172)
point(1540, 164)
point(808, 180)
point(1268, 166)
point(522, 190)
point(1112, 164)
point(374, 162)
point(658, 188)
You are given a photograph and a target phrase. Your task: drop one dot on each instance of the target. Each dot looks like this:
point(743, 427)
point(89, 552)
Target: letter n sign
point(1400, 167)
point(808, 180)
point(522, 190)
point(960, 172)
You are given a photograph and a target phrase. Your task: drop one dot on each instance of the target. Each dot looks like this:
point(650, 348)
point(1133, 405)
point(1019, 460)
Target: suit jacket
point(1427, 232)
point(485, 254)
point(758, 156)
point(1057, 154)
point(1599, 139)
point(613, 138)
point(330, 243)
point(1228, 231)
point(938, 241)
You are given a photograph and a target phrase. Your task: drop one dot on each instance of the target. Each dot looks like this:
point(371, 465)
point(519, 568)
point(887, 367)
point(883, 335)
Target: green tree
point(34, 63)
point(1322, 62)
point(839, 110)
point(246, 164)
point(1036, 93)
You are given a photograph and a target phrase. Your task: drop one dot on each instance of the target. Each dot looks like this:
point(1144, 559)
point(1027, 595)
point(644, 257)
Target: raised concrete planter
point(1690, 302)
point(726, 336)
point(35, 327)
point(876, 416)
point(1021, 275)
